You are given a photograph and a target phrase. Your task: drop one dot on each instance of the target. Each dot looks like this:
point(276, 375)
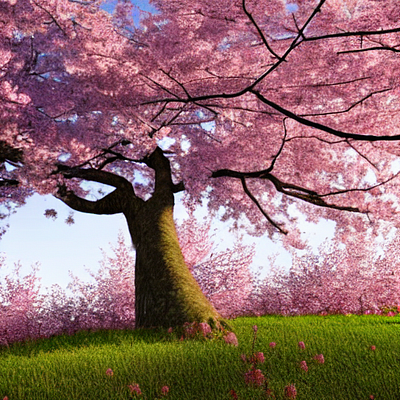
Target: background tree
point(254, 106)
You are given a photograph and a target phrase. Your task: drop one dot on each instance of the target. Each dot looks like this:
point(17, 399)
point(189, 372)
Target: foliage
point(259, 104)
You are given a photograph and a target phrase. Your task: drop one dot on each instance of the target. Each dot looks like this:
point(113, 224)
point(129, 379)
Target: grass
point(74, 367)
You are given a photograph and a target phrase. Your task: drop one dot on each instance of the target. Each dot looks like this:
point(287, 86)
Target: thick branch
point(90, 174)
point(8, 182)
point(349, 34)
point(316, 125)
point(109, 204)
point(288, 189)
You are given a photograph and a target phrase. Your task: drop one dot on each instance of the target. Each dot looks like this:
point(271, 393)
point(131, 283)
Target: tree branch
point(316, 125)
point(349, 34)
point(90, 174)
point(247, 191)
point(288, 189)
point(259, 31)
point(8, 182)
point(109, 204)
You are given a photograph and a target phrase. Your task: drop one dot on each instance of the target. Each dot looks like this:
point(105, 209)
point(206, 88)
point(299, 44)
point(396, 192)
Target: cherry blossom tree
point(252, 106)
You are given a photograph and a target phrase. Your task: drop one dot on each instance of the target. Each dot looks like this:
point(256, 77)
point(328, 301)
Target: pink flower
point(260, 357)
point(233, 394)
point(109, 372)
point(303, 365)
point(170, 330)
point(164, 390)
point(5, 398)
point(254, 376)
point(373, 347)
point(257, 358)
point(134, 388)
point(255, 328)
point(323, 313)
point(272, 344)
point(290, 392)
point(390, 314)
point(204, 328)
point(372, 396)
point(319, 358)
point(231, 338)
point(302, 345)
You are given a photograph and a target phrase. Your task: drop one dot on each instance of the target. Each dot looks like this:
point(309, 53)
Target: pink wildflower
point(135, 388)
point(302, 345)
point(390, 314)
point(109, 372)
point(260, 357)
point(254, 376)
point(257, 358)
point(164, 390)
point(204, 328)
point(372, 396)
point(255, 328)
point(170, 330)
point(233, 394)
point(231, 338)
point(319, 358)
point(290, 392)
point(272, 344)
point(303, 365)
point(5, 398)
point(373, 347)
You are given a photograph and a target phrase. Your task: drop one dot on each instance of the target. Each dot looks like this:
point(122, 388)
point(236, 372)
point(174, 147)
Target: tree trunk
point(166, 294)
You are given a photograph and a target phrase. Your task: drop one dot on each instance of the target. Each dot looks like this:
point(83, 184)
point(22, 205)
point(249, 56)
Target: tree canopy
point(258, 105)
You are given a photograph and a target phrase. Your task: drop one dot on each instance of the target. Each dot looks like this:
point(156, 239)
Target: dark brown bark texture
point(166, 294)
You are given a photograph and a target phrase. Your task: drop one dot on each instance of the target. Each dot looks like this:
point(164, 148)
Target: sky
point(60, 248)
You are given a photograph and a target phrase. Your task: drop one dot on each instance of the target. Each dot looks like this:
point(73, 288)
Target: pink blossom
point(231, 338)
point(170, 330)
point(302, 345)
point(204, 328)
point(290, 392)
point(272, 344)
point(303, 365)
point(233, 394)
point(134, 388)
point(164, 390)
point(5, 398)
point(109, 372)
point(390, 314)
point(255, 328)
point(260, 357)
point(373, 347)
point(254, 376)
point(319, 358)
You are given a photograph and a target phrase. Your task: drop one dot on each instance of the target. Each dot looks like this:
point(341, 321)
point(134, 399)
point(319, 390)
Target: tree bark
point(166, 294)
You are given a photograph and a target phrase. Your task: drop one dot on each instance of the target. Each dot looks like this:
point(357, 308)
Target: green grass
point(74, 367)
